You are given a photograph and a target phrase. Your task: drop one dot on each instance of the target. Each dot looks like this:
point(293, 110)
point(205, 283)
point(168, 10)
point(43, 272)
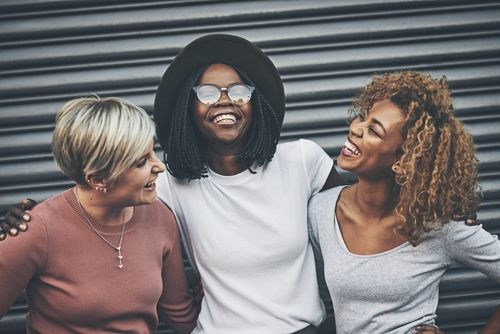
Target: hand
point(16, 218)
point(470, 219)
point(197, 290)
point(427, 329)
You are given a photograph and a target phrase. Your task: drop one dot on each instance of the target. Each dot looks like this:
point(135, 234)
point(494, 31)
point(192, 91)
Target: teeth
point(225, 119)
point(351, 148)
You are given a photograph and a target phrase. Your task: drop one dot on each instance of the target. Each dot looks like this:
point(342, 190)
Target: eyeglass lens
point(210, 94)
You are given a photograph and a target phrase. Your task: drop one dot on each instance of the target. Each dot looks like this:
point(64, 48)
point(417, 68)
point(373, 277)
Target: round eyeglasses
point(238, 93)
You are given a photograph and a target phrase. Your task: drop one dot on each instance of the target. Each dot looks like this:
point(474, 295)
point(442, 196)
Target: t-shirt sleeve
point(176, 306)
point(474, 247)
point(163, 189)
point(317, 164)
point(22, 257)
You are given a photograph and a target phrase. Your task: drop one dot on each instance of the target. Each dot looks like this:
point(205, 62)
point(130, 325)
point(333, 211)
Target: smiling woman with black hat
point(239, 197)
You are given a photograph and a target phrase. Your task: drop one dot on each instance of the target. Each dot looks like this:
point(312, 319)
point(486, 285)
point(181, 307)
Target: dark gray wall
point(54, 50)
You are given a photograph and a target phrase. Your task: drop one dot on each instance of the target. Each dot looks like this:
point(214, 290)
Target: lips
point(150, 185)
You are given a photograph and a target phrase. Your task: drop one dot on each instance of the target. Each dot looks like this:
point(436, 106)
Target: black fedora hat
point(210, 49)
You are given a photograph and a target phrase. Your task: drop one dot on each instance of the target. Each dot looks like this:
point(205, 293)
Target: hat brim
point(211, 49)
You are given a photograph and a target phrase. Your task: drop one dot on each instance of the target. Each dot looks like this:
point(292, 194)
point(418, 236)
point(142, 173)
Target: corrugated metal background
point(54, 50)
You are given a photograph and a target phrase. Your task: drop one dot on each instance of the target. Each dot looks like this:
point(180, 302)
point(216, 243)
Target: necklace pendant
point(120, 263)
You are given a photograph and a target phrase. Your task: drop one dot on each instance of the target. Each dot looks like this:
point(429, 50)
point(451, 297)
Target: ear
point(97, 183)
point(396, 167)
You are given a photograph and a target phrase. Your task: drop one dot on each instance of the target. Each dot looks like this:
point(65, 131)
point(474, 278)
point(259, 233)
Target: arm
point(474, 247)
point(176, 306)
point(23, 258)
point(334, 179)
point(16, 218)
point(493, 324)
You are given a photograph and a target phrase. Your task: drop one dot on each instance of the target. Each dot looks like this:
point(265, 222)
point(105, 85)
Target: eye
point(140, 163)
point(372, 130)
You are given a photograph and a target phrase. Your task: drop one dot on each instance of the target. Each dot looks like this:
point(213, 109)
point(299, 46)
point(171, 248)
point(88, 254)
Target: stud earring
point(102, 189)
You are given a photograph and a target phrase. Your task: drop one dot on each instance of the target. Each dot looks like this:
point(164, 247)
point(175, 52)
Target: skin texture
point(377, 135)
point(222, 142)
point(365, 210)
point(129, 189)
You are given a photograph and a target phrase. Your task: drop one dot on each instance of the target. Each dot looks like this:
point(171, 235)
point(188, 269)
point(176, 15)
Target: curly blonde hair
point(438, 174)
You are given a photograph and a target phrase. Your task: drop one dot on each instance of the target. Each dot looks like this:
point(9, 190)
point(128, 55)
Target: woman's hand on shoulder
point(16, 218)
point(470, 219)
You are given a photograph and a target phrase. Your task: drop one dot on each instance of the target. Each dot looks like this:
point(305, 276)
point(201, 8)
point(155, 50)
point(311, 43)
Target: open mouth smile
point(350, 148)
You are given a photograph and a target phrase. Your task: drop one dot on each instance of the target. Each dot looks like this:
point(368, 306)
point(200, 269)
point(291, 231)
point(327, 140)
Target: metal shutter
point(54, 50)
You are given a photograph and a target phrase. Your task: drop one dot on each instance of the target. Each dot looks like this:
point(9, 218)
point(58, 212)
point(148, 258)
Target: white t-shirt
point(248, 238)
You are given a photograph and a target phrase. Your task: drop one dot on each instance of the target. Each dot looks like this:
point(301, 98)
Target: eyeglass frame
point(224, 89)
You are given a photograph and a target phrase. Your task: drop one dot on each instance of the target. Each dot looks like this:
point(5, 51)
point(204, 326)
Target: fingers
point(428, 329)
point(469, 219)
point(472, 222)
point(198, 292)
point(3, 235)
point(27, 204)
point(16, 218)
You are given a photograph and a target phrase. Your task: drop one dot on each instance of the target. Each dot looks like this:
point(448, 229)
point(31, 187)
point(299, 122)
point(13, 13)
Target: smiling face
point(136, 186)
point(373, 141)
point(223, 124)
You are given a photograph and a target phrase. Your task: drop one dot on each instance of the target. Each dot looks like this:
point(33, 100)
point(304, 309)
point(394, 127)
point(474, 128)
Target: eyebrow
point(141, 157)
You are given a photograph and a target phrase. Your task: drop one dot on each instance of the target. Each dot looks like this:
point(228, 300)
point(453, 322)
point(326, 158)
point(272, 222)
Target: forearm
point(493, 324)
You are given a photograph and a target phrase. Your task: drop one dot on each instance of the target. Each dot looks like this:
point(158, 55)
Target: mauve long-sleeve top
point(72, 279)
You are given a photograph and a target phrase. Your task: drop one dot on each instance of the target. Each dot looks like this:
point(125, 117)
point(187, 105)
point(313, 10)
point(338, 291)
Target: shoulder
point(459, 232)
point(302, 150)
point(326, 197)
point(157, 213)
point(300, 144)
point(57, 206)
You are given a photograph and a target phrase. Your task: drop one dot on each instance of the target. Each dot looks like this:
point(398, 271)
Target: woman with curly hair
point(387, 240)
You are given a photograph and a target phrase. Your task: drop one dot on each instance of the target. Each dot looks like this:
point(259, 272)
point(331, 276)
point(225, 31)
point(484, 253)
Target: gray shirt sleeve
point(473, 247)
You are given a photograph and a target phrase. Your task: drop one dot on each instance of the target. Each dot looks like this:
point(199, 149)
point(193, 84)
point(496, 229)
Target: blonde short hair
point(100, 136)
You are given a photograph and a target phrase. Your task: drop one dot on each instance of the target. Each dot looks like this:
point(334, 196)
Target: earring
point(102, 189)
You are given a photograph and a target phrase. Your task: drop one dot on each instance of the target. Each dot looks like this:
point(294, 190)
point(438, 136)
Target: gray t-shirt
point(396, 290)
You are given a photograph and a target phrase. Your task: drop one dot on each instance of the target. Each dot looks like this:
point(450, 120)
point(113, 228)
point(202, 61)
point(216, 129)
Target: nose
point(224, 97)
point(158, 165)
point(356, 130)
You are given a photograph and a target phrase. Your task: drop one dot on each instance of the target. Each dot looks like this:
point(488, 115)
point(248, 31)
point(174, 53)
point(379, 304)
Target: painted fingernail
point(13, 231)
point(2, 236)
point(23, 227)
point(26, 217)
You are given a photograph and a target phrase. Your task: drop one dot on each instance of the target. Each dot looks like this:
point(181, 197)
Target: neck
point(97, 205)
point(225, 163)
point(374, 198)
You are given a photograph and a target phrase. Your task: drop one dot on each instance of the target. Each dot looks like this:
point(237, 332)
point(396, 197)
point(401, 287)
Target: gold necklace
point(117, 248)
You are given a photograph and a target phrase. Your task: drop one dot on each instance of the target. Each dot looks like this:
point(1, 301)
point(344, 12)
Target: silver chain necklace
point(117, 248)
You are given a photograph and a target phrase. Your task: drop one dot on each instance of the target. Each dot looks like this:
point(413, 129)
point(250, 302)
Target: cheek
point(247, 109)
